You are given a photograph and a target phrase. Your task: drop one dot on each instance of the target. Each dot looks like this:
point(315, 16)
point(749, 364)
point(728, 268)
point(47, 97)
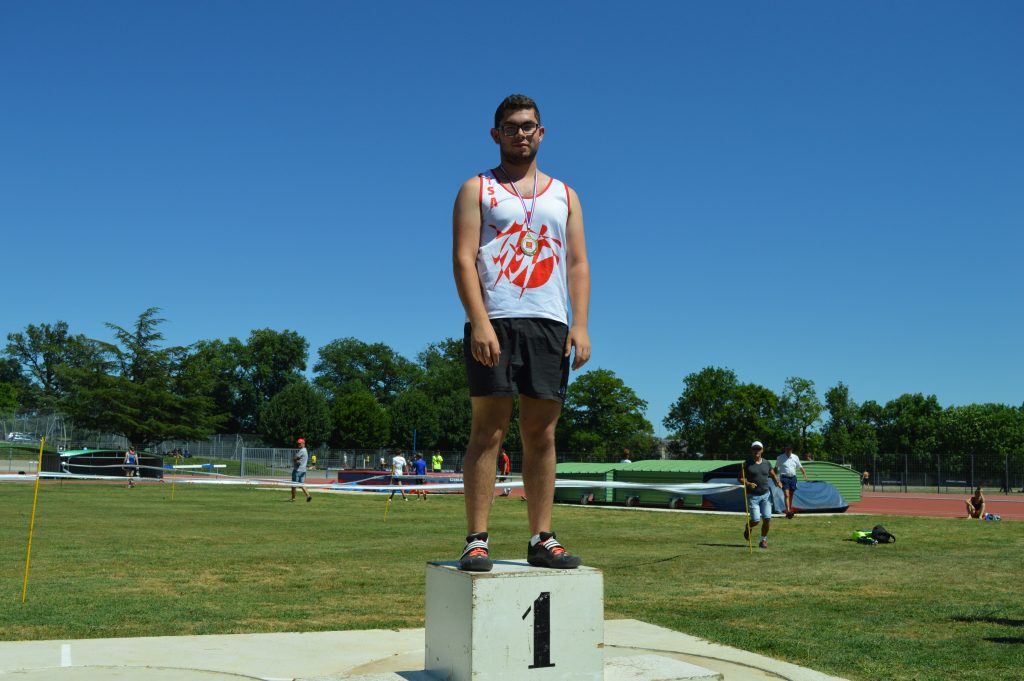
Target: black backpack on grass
point(882, 535)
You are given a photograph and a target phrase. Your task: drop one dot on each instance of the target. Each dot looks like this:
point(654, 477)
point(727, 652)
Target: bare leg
point(490, 423)
point(749, 527)
point(537, 420)
point(766, 526)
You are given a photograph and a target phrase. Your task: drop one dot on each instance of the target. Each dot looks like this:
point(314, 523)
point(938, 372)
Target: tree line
point(717, 415)
point(361, 395)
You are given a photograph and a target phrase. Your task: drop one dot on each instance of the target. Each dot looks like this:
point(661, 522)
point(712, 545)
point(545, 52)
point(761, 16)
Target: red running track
point(1009, 507)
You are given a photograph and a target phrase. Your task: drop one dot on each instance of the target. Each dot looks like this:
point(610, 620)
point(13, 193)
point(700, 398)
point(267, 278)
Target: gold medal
point(529, 245)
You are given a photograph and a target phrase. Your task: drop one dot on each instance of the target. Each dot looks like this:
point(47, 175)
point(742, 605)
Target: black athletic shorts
point(531, 364)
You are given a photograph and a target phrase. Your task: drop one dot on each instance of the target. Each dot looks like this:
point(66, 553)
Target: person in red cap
point(299, 462)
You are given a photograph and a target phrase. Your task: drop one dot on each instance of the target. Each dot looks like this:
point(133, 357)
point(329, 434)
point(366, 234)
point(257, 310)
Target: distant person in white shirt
point(625, 457)
point(787, 465)
point(398, 466)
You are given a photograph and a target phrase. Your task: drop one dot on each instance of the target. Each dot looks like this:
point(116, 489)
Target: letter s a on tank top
point(522, 272)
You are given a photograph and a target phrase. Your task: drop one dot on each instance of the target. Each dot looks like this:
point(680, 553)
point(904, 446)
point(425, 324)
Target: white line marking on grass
point(65, 655)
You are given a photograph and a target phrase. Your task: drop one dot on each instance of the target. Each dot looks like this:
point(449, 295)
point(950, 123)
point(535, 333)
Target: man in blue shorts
point(299, 463)
point(520, 258)
point(786, 466)
point(756, 472)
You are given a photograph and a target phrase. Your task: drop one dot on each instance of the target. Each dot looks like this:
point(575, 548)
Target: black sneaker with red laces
point(475, 557)
point(549, 553)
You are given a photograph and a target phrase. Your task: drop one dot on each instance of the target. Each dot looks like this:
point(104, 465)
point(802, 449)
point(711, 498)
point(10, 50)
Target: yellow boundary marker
point(32, 522)
point(177, 460)
point(746, 505)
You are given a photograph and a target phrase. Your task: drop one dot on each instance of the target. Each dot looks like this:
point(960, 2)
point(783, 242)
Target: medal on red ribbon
point(528, 244)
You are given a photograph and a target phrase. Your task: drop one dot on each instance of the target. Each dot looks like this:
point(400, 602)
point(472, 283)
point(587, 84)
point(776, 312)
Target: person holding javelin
point(520, 259)
point(756, 472)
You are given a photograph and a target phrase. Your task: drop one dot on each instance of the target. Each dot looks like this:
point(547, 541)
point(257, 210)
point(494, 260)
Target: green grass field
point(944, 602)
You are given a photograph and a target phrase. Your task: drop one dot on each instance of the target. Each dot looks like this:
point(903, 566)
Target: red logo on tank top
point(523, 270)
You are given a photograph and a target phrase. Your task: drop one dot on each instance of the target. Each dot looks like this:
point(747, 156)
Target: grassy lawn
point(944, 602)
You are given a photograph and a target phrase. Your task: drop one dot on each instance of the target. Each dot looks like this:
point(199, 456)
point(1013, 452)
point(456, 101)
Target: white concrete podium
point(515, 622)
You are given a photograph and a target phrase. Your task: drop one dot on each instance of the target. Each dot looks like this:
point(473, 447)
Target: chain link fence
point(942, 473)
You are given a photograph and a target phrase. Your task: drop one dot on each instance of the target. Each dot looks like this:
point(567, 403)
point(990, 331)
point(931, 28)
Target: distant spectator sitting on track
point(976, 505)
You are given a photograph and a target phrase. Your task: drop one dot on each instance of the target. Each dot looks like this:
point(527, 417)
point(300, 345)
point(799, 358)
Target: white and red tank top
point(523, 271)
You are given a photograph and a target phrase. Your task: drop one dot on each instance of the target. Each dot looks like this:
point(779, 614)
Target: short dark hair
point(514, 103)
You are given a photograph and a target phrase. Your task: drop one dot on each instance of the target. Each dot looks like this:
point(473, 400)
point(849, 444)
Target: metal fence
point(18, 461)
point(940, 472)
point(59, 432)
point(249, 454)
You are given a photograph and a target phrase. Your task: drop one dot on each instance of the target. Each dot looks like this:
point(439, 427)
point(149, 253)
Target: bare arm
point(578, 272)
point(743, 476)
point(465, 244)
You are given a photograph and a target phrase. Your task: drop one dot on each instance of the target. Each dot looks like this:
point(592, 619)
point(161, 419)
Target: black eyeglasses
point(511, 129)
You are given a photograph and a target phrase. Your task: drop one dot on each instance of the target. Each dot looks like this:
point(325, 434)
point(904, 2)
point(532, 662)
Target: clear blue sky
point(816, 189)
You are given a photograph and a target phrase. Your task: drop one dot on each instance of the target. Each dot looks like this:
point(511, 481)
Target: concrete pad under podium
point(391, 655)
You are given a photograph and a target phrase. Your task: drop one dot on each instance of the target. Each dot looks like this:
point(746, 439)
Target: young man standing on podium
point(519, 259)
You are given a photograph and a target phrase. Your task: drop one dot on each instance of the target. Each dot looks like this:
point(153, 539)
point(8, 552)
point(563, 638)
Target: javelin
point(746, 507)
point(32, 523)
point(390, 497)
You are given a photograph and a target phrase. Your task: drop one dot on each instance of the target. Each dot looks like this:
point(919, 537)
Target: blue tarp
point(809, 497)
